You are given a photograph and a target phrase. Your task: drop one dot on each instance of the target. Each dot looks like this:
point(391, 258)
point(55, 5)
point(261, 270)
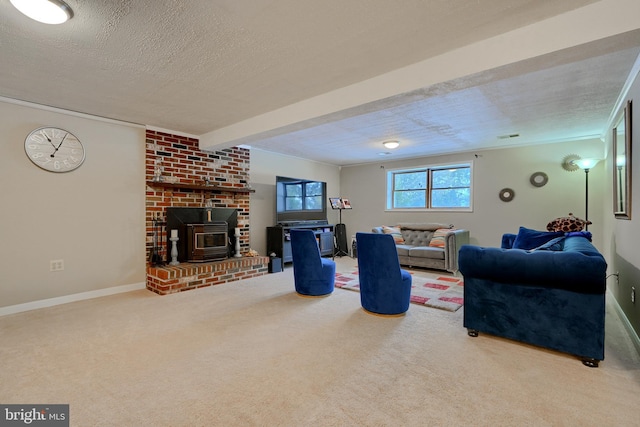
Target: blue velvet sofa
point(550, 294)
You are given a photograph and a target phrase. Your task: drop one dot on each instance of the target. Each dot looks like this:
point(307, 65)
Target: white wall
point(621, 229)
point(265, 167)
point(493, 170)
point(621, 245)
point(92, 218)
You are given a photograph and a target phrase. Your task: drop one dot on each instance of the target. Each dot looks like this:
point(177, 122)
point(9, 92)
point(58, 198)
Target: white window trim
point(389, 182)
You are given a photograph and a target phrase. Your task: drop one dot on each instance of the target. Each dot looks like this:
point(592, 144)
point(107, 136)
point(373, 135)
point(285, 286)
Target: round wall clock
point(54, 149)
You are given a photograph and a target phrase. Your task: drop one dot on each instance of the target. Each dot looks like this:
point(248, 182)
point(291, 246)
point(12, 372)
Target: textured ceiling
point(200, 66)
point(497, 109)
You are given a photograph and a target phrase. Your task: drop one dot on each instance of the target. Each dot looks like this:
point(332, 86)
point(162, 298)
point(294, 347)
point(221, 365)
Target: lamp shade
point(45, 11)
point(586, 163)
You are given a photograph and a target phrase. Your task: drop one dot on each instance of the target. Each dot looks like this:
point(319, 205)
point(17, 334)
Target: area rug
point(441, 292)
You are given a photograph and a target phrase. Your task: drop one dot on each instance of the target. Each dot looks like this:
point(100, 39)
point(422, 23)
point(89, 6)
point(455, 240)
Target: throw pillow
point(529, 239)
point(586, 234)
point(556, 244)
point(567, 224)
point(439, 236)
point(395, 233)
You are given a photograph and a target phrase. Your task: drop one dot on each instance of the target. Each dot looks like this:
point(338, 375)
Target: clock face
point(54, 149)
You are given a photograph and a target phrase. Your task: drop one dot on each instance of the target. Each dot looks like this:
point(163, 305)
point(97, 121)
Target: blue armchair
point(313, 275)
point(384, 287)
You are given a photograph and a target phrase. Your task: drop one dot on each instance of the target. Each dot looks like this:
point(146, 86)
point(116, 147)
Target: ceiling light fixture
point(45, 11)
point(391, 144)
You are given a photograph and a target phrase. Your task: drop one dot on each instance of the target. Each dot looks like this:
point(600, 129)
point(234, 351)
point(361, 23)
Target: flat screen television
point(300, 200)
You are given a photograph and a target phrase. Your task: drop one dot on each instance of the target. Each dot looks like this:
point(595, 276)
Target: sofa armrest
point(452, 243)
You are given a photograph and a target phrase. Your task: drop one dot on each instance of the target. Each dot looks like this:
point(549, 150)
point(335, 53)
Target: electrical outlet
point(633, 295)
point(56, 265)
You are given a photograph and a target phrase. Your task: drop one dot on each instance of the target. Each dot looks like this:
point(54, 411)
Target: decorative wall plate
point(538, 179)
point(507, 194)
point(567, 162)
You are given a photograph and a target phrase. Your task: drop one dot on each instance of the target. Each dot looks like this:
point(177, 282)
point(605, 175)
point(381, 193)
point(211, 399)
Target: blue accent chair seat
point(384, 287)
point(313, 275)
point(551, 296)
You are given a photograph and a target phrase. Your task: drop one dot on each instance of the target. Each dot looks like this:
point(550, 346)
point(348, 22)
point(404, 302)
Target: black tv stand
point(279, 240)
point(304, 223)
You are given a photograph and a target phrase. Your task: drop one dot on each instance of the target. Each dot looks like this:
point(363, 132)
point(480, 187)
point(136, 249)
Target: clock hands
point(65, 135)
point(54, 153)
point(49, 139)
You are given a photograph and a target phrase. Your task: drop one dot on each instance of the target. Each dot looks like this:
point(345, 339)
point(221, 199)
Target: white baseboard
point(50, 302)
point(625, 322)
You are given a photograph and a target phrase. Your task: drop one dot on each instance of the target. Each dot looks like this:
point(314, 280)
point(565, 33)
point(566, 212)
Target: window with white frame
point(446, 187)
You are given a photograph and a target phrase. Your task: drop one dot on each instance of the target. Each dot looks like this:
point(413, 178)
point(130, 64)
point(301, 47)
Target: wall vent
point(509, 136)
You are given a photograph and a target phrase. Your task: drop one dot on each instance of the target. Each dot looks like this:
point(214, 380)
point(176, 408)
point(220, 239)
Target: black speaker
point(341, 240)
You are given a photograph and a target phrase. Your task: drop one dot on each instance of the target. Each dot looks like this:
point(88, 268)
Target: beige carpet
point(253, 353)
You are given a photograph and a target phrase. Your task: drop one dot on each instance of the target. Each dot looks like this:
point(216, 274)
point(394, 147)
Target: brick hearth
point(186, 276)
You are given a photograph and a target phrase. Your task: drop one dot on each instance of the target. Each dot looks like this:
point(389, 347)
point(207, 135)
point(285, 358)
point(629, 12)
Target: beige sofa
point(416, 249)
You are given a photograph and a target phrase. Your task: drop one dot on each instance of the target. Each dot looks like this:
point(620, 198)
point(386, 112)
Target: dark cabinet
point(326, 243)
point(279, 240)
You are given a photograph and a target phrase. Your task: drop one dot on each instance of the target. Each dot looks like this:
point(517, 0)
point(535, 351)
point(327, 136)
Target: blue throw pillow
point(585, 234)
point(556, 244)
point(530, 239)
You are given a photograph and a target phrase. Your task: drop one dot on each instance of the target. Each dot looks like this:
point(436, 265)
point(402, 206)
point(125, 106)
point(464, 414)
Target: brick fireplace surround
point(227, 174)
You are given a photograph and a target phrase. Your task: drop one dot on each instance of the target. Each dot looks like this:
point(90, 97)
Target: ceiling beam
point(594, 22)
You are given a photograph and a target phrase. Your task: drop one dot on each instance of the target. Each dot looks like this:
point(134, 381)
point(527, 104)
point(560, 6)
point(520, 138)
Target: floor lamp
point(586, 165)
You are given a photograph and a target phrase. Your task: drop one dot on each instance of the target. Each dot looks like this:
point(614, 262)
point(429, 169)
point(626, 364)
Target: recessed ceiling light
point(391, 144)
point(45, 11)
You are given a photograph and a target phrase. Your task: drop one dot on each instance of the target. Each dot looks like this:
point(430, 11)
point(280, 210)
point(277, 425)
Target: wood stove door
point(206, 242)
